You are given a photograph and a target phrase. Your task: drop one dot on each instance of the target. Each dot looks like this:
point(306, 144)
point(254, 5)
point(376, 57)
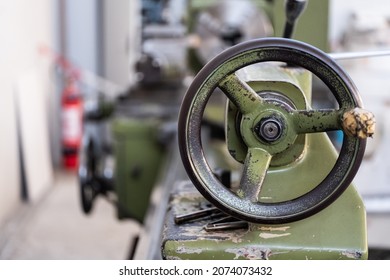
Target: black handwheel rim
point(191, 113)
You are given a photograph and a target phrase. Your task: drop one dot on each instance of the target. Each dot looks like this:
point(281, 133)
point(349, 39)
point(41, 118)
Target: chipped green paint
point(250, 253)
point(242, 95)
point(313, 121)
point(334, 233)
point(255, 168)
point(275, 228)
point(267, 235)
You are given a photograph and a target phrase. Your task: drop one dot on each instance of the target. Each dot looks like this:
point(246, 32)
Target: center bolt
point(269, 129)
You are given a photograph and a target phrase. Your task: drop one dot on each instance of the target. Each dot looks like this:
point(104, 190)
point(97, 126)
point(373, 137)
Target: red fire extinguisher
point(72, 120)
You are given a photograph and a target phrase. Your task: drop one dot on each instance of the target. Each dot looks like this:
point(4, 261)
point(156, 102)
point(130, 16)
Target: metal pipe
point(357, 55)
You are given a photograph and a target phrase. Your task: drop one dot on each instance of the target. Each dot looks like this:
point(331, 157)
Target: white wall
point(340, 10)
point(82, 34)
point(24, 25)
point(121, 46)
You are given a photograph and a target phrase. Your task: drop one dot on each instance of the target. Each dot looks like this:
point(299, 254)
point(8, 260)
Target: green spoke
point(313, 121)
point(240, 93)
point(255, 169)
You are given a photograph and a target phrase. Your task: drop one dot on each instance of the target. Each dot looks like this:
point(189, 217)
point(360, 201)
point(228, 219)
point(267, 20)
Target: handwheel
point(268, 129)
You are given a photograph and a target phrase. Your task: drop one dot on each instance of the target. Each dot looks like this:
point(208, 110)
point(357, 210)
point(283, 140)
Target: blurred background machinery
point(135, 60)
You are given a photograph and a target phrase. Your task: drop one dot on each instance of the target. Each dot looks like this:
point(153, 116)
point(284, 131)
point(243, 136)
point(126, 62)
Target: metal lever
point(180, 219)
point(294, 9)
point(226, 223)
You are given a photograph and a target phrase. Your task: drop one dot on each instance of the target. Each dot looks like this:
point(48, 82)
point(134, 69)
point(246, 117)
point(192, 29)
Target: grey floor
point(55, 228)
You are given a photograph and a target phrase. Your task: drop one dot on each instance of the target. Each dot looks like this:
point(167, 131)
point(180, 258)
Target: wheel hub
point(269, 129)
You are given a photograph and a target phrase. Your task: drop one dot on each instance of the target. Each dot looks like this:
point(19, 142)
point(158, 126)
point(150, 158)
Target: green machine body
point(139, 156)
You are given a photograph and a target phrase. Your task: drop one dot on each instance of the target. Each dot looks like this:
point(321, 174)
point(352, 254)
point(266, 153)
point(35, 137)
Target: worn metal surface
point(338, 232)
point(220, 73)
